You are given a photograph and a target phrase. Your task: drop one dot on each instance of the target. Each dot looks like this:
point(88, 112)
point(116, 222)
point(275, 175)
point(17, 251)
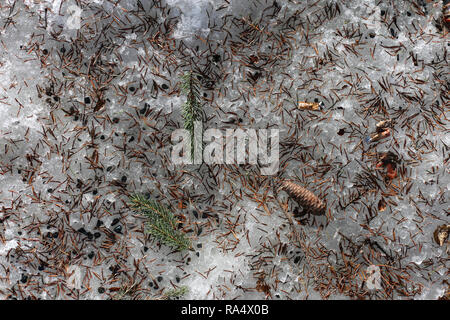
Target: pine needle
point(162, 224)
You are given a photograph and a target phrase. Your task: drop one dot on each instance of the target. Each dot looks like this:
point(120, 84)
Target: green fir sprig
point(192, 109)
point(162, 224)
point(176, 293)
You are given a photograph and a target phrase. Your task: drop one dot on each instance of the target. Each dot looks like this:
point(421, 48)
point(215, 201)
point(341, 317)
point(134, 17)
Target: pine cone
point(304, 197)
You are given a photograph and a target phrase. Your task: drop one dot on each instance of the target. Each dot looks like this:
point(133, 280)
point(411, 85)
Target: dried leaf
point(382, 205)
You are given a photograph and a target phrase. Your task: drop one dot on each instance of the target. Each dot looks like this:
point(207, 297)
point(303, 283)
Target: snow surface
point(137, 51)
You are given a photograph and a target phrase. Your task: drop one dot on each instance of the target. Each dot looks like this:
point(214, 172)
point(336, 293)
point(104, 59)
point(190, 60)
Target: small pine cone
point(304, 197)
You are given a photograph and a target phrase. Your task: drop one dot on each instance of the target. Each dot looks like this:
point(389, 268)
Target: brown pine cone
point(304, 197)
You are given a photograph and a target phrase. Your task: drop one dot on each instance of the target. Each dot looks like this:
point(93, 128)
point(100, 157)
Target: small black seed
point(316, 100)
point(118, 229)
point(151, 284)
point(101, 290)
point(297, 259)
point(159, 279)
point(216, 58)
point(124, 179)
point(115, 221)
point(145, 249)
point(205, 94)
point(63, 49)
point(76, 118)
point(55, 234)
point(19, 171)
point(91, 255)
point(199, 231)
point(45, 51)
point(165, 86)
point(24, 278)
point(20, 233)
point(408, 14)
point(383, 12)
point(50, 190)
point(372, 35)
point(341, 132)
point(197, 254)
point(131, 139)
point(199, 245)
point(109, 168)
point(99, 223)
point(177, 279)
point(82, 230)
point(41, 267)
point(195, 213)
point(87, 100)
point(97, 235)
point(95, 191)
point(115, 120)
point(102, 137)
point(56, 98)
point(132, 89)
point(90, 235)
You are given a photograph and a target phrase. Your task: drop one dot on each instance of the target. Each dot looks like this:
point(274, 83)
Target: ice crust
point(229, 263)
